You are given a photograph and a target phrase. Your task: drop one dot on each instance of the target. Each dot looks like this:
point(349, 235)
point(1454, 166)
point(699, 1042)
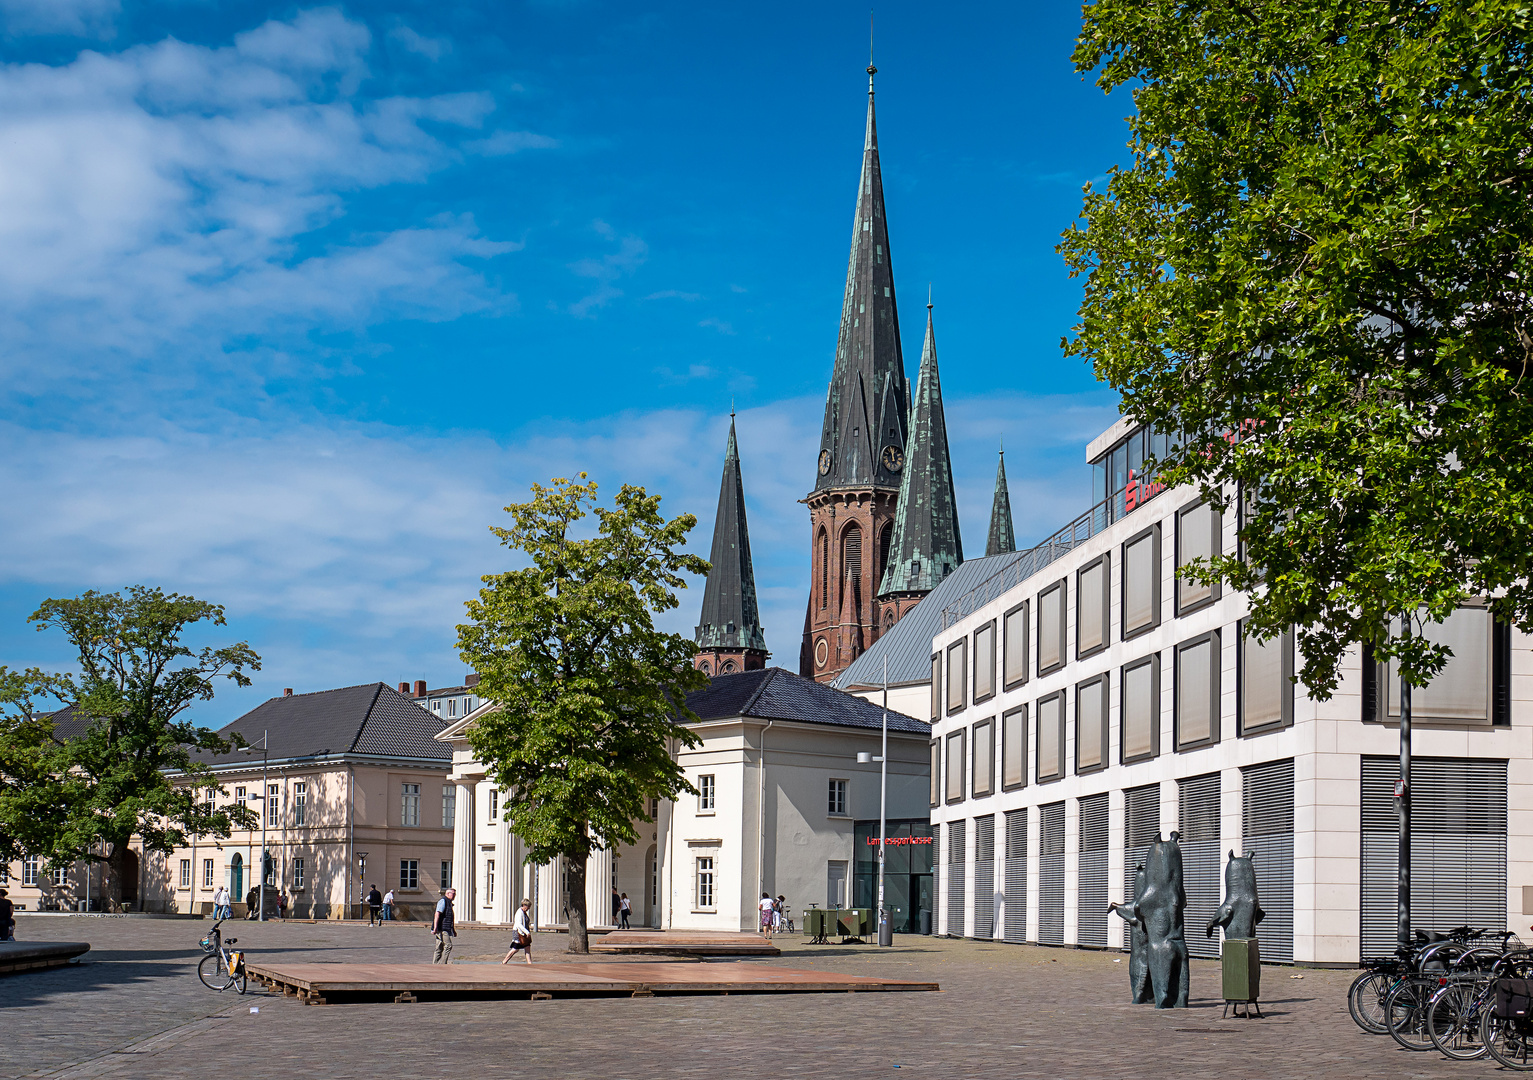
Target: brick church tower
point(729, 636)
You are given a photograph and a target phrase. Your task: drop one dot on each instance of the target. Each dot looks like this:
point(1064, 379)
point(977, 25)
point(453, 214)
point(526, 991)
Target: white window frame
point(184, 880)
point(493, 802)
point(300, 878)
point(707, 794)
point(410, 805)
point(273, 805)
point(409, 874)
point(208, 870)
point(489, 883)
point(705, 883)
point(449, 805)
point(300, 802)
point(31, 866)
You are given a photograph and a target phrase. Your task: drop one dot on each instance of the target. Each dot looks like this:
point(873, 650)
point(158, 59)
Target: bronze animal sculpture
point(1161, 908)
point(1240, 911)
point(1140, 990)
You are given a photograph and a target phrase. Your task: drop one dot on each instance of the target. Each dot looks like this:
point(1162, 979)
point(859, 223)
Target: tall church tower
point(729, 636)
point(862, 443)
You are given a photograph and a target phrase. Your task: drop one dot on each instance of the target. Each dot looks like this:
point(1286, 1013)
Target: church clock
point(824, 462)
point(894, 458)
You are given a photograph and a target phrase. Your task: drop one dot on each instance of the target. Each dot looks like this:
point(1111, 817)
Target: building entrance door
point(835, 885)
point(236, 879)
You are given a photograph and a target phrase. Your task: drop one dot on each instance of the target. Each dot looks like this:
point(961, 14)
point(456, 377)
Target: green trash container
point(814, 923)
point(1242, 962)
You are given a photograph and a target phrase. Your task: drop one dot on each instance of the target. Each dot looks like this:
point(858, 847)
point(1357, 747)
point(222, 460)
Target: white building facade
point(782, 802)
point(1086, 698)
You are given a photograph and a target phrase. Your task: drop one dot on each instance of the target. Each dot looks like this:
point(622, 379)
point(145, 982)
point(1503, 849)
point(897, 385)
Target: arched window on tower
point(704, 667)
point(824, 569)
point(851, 561)
point(885, 538)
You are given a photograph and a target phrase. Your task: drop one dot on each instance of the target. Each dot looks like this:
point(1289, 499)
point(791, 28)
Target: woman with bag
point(521, 933)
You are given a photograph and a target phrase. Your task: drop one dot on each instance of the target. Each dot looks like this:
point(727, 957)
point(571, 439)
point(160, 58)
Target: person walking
point(617, 906)
point(388, 906)
point(521, 933)
point(626, 910)
point(765, 908)
point(252, 904)
point(221, 909)
point(779, 912)
point(374, 906)
point(443, 929)
point(7, 917)
point(282, 905)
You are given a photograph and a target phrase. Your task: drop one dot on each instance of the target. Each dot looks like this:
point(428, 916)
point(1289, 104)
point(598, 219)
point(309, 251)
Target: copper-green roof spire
point(1001, 539)
point(926, 546)
point(730, 619)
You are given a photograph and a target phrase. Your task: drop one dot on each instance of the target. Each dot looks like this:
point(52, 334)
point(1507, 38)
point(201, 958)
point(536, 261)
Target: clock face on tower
point(894, 458)
point(824, 462)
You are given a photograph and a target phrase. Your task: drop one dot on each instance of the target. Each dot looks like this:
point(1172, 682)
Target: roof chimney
point(420, 687)
point(287, 691)
point(404, 688)
point(472, 680)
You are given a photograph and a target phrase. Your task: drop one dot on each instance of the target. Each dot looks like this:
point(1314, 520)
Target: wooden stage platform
point(683, 943)
point(321, 984)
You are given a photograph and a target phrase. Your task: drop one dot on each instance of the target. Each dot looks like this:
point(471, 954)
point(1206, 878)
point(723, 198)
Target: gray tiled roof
point(909, 645)
point(373, 718)
point(778, 694)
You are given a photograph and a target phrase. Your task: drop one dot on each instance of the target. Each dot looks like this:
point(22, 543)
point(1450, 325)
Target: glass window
point(984, 662)
point(185, 880)
point(489, 882)
point(983, 782)
point(445, 881)
point(410, 804)
point(957, 674)
point(1051, 737)
point(61, 876)
point(494, 804)
point(1091, 725)
point(838, 798)
point(705, 883)
point(1099, 481)
point(955, 766)
point(1014, 628)
point(299, 870)
point(1117, 468)
point(935, 774)
point(29, 867)
point(1197, 532)
point(300, 802)
point(239, 794)
point(1051, 628)
point(449, 805)
point(1135, 446)
point(936, 688)
point(1197, 691)
point(1014, 748)
point(1140, 709)
point(1461, 691)
point(207, 873)
point(409, 873)
point(707, 795)
point(1141, 582)
point(1091, 608)
point(1266, 695)
point(273, 805)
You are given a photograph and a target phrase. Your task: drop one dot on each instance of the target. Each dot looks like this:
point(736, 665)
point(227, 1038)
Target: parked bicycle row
point(1465, 993)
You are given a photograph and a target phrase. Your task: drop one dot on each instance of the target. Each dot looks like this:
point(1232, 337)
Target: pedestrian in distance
point(766, 907)
point(374, 906)
point(617, 906)
point(282, 905)
point(443, 929)
point(521, 933)
point(388, 906)
point(221, 898)
point(7, 918)
point(252, 904)
point(626, 910)
point(778, 910)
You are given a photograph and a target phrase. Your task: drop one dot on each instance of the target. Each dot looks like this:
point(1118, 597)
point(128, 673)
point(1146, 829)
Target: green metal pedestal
point(1242, 974)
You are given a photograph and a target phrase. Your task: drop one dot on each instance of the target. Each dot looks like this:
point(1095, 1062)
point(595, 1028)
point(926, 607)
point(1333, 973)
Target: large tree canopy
point(1318, 261)
point(590, 693)
point(122, 760)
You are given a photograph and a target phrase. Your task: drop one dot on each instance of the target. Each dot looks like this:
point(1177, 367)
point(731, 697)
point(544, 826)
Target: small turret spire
point(1001, 539)
point(730, 617)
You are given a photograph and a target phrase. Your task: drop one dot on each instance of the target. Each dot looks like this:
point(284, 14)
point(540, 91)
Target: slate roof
point(730, 618)
point(1002, 538)
point(775, 693)
point(908, 645)
point(867, 403)
point(926, 546)
point(372, 719)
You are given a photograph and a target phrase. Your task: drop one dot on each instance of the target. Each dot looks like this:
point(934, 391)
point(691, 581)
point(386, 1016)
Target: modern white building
point(782, 805)
point(1085, 698)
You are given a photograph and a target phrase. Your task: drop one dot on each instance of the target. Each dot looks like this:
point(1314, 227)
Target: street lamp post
point(883, 807)
point(261, 800)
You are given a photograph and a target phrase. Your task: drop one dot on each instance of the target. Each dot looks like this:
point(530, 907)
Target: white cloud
point(509, 142)
point(411, 41)
point(76, 18)
point(607, 269)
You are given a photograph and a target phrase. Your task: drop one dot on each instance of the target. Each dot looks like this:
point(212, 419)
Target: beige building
point(782, 805)
point(353, 790)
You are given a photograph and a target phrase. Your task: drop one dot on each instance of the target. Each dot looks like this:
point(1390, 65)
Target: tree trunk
point(576, 873)
point(116, 869)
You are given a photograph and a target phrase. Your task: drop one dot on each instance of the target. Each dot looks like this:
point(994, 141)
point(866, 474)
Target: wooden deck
point(320, 984)
point(683, 943)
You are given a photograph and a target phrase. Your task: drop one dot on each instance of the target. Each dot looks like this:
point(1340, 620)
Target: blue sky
point(293, 299)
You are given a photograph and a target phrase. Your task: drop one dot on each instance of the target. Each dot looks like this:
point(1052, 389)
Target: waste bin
point(885, 930)
point(1242, 963)
point(924, 921)
point(814, 924)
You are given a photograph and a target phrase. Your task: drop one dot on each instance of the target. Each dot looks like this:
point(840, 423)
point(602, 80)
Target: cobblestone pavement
point(136, 1009)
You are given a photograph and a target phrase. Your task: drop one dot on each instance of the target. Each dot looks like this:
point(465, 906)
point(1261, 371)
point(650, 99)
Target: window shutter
point(1202, 861)
point(1267, 827)
point(984, 877)
point(1016, 875)
point(956, 837)
point(1091, 906)
point(1051, 875)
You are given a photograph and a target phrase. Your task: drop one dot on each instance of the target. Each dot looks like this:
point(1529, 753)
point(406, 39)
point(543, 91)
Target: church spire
point(862, 441)
point(730, 620)
point(1001, 539)
point(926, 546)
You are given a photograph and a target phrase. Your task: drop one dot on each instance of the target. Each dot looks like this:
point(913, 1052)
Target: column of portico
point(548, 894)
point(505, 894)
point(463, 852)
point(599, 888)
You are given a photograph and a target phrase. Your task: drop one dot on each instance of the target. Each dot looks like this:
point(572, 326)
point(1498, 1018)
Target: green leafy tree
point(122, 763)
point(1317, 265)
point(591, 696)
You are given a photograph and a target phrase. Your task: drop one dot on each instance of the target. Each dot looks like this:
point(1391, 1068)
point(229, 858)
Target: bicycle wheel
point(1453, 1022)
point(213, 973)
point(1504, 1041)
point(1405, 1013)
point(1365, 1001)
point(239, 980)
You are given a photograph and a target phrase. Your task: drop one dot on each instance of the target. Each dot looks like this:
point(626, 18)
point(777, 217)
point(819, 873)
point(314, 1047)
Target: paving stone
point(136, 1009)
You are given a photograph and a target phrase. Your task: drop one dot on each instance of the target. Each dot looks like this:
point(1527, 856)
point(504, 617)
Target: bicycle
point(1454, 1012)
point(222, 968)
point(1508, 1039)
point(1369, 991)
point(1408, 1008)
